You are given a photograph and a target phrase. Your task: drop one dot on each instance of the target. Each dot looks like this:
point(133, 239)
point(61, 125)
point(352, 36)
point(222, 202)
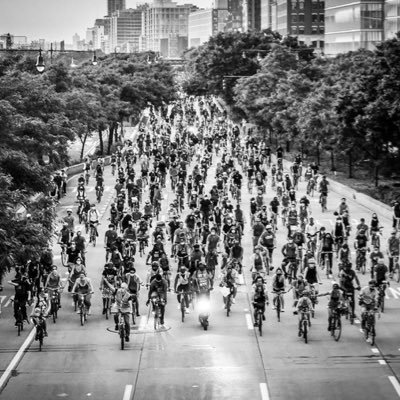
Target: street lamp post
point(40, 62)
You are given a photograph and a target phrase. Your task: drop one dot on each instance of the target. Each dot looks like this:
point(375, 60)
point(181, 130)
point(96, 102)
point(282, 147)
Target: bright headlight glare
point(203, 306)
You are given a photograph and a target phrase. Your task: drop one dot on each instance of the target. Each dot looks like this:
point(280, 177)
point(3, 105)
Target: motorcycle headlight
point(203, 306)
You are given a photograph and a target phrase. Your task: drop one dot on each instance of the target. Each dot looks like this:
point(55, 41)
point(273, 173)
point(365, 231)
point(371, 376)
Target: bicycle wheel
point(397, 270)
point(82, 317)
point(363, 266)
point(54, 313)
point(107, 307)
point(337, 328)
point(155, 321)
point(64, 258)
point(382, 303)
point(183, 309)
point(122, 337)
point(372, 334)
point(228, 305)
point(19, 326)
point(93, 239)
point(260, 321)
point(305, 330)
point(40, 341)
point(278, 309)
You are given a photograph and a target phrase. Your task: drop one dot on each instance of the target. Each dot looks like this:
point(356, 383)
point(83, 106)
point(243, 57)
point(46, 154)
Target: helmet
point(372, 282)
point(154, 265)
point(335, 285)
point(158, 277)
point(124, 285)
point(69, 210)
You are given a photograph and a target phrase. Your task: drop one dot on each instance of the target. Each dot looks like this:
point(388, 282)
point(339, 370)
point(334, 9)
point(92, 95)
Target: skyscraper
point(115, 5)
point(125, 30)
point(251, 15)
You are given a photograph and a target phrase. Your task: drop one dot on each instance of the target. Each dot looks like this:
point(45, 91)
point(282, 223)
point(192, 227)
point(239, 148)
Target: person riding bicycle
point(326, 249)
point(336, 302)
point(299, 285)
point(393, 250)
point(182, 284)
point(343, 207)
point(54, 283)
point(289, 252)
point(304, 306)
point(158, 290)
point(346, 278)
point(93, 218)
point(381, 272)
point(368, 299)
point(83, 286)
point(360, 244)
point(123, 305)
point(22, 295)
point(278, 286)
point(202, 281)
point(323, 188)
point(229, 278)
point(259, 299)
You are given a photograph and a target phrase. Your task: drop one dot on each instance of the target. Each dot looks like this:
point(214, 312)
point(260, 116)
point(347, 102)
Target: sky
point(56, 20)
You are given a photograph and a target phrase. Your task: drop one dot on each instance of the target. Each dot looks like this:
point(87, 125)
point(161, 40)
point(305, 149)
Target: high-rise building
point(125, 30)
point(75, 40)
point(251, 11)
point(115, 5)
point(302, 18)
point(235, 16)
point(165, 27)
point(266, 14)
point(353, 24)
point(205, 23)
point(392, 18)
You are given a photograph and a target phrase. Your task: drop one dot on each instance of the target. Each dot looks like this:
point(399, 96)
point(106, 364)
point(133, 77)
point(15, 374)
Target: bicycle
point(39, 325)
point(64, 255)
point(87, 177)
point(349, 296)
point(361, 260)
point(121, 329)
point(54, 304)
point(326, 263)
point(381, 295)
point(370, 321)
point(336, 324)
point(183, 299)
point(80, 303)
point(304, 325)
point(259, 317)
point(130, 248)
point(310, 188)
point(323, 200)
point(142, 244)
point(19, 318)
point(314, 300)
point(278, 304)
point(395, 275)
point(93, 234)
point(157, 303)
point(99, 193)
point(227, 293)
point(292, 271)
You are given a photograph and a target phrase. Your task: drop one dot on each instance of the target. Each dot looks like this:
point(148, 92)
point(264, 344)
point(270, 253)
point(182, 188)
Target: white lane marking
point(127, 392)
point(382, 362)
point(357, 321)
point(361, 330)
point(395, 293)
point(395, 384)
point(375, 350)
point(264, 391)
point(248, 321)
point(246, 310)
point(8, 302)
point(17, 358)
point(2, 298)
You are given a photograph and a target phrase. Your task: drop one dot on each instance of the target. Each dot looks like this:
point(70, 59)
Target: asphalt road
point(229, 361)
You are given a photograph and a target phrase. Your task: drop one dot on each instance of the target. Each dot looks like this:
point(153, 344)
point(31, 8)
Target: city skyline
point(56, 20)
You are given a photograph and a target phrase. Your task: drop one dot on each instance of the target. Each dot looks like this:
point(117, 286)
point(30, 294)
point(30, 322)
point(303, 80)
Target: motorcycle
point(203, 308)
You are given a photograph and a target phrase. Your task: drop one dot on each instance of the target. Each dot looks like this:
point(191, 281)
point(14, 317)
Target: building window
point(301, 30)
point(301, 5)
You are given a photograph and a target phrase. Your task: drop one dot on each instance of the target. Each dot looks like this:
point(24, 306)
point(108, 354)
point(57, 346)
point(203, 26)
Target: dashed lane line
point(264, 391)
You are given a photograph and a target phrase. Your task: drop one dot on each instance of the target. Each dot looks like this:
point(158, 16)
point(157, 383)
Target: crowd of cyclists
point(192, 158)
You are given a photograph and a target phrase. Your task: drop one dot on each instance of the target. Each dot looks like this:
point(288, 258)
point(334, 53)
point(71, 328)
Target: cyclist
point(327, 250)
point(83, 286)
point(110, 238)
point(229, 278)
point(375, 255)
point(22, 295)
point(69, 220)
point(260, 298)
point(268, 241)
point(289, 252)
point(123, 305)
point(304, 306)
point(202, 281)
point(323, 189)
point(158, 289)
point(336, 301)
point(393, 249)
point(54, 283)
point(361, 245)
point(380, 272)
point(93, 218)
point(343, 207)
point(346, 278)
point(367, 300)
point(182, 284)
point(278, 286)
point(108, 283)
